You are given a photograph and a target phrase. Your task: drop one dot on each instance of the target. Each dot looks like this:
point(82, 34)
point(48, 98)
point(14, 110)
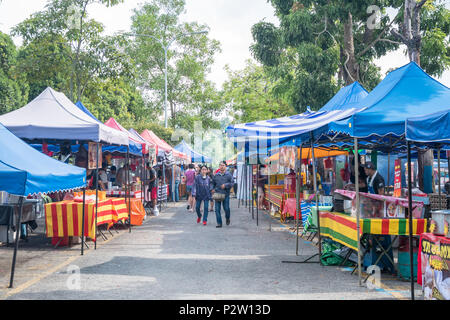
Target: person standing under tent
point(177, 182)
point(103, 176)
point(235, 184)
point(190, 178)
point(262, 181)
point(153, 188)
point(112, 174)
point(202, 188)
point(376, 185)
point(375, 182)
point(222, 183)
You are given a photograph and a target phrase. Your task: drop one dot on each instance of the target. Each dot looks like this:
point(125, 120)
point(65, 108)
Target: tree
point(320, 46)
point(190, 59)
point(248, 94)
point(425, 31)
point(64, 27)
point(13, 89)
point(431, 39)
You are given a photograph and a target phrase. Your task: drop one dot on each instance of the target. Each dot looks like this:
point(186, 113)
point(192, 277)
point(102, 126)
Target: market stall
point(25, 171)
point(168, 157)
point(69, 125)
point(381, 125)
point(433, 257)
point(197, 157)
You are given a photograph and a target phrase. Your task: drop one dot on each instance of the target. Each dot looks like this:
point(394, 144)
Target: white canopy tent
point(52, 116)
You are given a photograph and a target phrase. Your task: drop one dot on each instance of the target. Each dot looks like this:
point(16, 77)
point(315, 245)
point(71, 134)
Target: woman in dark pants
point(202, 194)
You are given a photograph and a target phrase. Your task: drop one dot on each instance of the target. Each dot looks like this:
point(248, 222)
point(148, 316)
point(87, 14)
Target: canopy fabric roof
point(52, 116)
point(406, 91)
point(279, 131)
point(134, 141)
point(183, 147)
point(80, 105)
point(25, 171)
point(346, 98)
point(307, 154)
point(432, 128)
point(140, 138)
point(163, 146)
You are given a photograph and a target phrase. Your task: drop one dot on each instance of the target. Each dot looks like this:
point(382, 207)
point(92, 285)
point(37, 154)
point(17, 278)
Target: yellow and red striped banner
point(342, 228)
point(64, 219)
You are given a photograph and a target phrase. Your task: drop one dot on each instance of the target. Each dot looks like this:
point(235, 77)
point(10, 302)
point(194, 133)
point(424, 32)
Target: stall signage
point(398, 179)
point(93, 156)
point(434, 262)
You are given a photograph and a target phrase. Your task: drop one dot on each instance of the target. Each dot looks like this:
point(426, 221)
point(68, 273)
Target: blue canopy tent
point(183, 147)
point(80, 105)
point(274, 133)
point(25, 171)
point(380, 123)
point(346, 98)
point(429, 129)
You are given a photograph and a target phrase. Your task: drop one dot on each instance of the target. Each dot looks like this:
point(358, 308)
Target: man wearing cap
point(375, 181)
point(375, 184)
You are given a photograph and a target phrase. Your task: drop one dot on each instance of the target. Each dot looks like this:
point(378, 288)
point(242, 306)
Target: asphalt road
point(173, 257)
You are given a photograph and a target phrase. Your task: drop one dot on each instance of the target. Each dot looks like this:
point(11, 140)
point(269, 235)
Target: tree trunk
point(351, 68)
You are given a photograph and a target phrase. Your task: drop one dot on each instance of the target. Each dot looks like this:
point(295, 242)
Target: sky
point(230, 22)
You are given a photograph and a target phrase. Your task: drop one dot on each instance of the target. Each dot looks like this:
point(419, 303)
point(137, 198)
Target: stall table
point(64, 219)
point(433, 266)
point(342, 228)
point(122, 194)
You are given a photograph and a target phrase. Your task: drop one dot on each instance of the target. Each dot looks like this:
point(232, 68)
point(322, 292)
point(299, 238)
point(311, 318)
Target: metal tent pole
point(298, 175)
point(83, 242)
point(318, 215)
point(16, 247)
point(268, 197)
point(128, 189)
point(252, 204)
point(439, 177)
point(316, 191)
point(389, 172)
point(257, 195)
point(96, 200)
point(410, 220)
point(82, 222)
point(358, 209)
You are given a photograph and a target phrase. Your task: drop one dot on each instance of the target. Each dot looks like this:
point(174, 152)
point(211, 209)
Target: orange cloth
point(307, 154)
point(137, 212)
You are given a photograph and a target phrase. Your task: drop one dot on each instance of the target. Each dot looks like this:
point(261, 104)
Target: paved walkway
point(173, 257)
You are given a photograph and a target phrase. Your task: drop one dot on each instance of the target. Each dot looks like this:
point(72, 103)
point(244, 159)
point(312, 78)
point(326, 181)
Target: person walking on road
point(190, 178)
point(221, 186)
point(202, 188)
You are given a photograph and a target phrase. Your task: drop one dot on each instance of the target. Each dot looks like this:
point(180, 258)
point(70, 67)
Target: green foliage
point(65, 44)
point(13, 90)
point(190, 57)
point(435, 55)
point(157, 128)
point(249, 96)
